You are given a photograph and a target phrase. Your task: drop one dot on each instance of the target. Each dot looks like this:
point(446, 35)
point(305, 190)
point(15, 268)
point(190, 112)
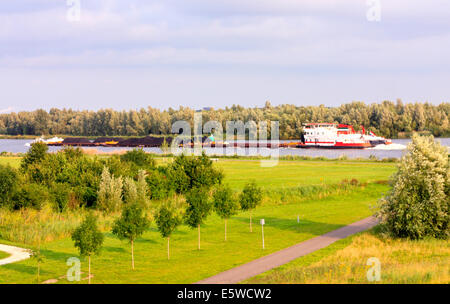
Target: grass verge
point(402, 262)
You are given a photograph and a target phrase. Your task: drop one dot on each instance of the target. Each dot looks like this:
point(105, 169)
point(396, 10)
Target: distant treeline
point(387, 119)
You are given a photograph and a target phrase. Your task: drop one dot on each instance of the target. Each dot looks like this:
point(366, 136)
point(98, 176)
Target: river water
point(395, 150)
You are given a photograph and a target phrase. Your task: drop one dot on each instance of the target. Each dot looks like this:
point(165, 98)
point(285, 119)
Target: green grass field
point(3, 255)
point(12, 161)
point(298, 173)
point(319, 214)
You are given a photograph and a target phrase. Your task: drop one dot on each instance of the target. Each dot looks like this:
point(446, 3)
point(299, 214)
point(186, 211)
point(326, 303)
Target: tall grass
point(402, 262)
point(296, 194)
point(32, 227)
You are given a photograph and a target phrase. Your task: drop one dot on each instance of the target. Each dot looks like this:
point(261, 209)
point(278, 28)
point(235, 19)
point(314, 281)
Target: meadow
point(312, 190)
point(402, 261)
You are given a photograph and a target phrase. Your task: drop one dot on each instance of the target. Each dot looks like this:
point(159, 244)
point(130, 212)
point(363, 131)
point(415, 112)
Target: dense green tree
point(131, 225)
point(88, 239)
point(225, 204)
point(250, 198)
point(198, 209)
point(418, 204)
point(386, 118)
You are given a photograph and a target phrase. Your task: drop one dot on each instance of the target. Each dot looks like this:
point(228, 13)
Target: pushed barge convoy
point(315, 135)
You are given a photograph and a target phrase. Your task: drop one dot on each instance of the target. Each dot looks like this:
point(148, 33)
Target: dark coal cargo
point(147, 141)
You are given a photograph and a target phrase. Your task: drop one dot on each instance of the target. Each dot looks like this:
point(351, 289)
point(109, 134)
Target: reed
point(32, 227)
point(402, 261)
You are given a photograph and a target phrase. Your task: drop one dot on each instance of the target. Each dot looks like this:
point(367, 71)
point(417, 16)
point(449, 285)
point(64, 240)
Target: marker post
point(262, 222)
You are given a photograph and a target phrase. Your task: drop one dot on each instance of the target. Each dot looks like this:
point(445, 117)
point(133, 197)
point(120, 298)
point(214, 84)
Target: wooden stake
point(89, 272)
point(225, 229)
point(132, 255)
point(198, 236)
point(168, 247)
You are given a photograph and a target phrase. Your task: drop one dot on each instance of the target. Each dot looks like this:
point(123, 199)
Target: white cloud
point(277, 39)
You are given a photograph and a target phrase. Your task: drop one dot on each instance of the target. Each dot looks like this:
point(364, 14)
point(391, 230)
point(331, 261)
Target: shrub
point(30, 196)
point(139, 158)
point(72, 153)
point(418, 204)
point(129, 191)
point(60, 196)
point(158, 185)
point(8, 184)
point(187, 172)
point(110, 192)
point(36, 154)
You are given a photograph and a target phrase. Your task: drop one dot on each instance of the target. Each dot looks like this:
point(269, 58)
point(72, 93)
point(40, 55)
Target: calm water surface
point(395, 150)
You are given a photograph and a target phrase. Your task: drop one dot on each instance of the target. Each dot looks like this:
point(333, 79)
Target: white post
point(298, 219)
point(262, 231)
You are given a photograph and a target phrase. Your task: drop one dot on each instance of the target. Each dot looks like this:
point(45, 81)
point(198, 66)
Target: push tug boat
point(338, 136)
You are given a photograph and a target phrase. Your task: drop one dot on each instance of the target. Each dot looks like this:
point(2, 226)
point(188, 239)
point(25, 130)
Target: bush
point(139, 158)
point(60, 196)
point(418, 204)
point(30, 196)
point(158, 185)
point(36, 154)
point(187, 172)
point(110, 192)
point(8, 184)
point(72, 153)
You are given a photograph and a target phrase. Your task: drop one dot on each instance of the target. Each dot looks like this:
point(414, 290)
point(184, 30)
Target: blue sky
point(198, 53)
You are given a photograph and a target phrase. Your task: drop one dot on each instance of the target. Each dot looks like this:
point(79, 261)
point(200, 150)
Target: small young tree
point(198, 209)
point(39, 258)
point(110, 192)
point(130, 226)
point(250, 197)
point(168, 218)
point(225, 204)
point(142, 189)
point(88, 239)
point(418, 204)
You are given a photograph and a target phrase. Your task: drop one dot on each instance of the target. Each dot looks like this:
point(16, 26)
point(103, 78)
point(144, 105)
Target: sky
point(92, 54)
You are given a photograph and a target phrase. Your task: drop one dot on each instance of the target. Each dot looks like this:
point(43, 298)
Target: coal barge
point(315, 135)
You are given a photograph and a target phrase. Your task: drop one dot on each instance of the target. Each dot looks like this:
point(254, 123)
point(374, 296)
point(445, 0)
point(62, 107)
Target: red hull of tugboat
point(337, 146)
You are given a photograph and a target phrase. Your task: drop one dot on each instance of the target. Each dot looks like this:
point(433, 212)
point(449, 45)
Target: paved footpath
point(284, 256)
point(16, 254)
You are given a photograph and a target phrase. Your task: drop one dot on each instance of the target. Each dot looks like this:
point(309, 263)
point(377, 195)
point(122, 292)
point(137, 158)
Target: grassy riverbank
point(311, 189)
